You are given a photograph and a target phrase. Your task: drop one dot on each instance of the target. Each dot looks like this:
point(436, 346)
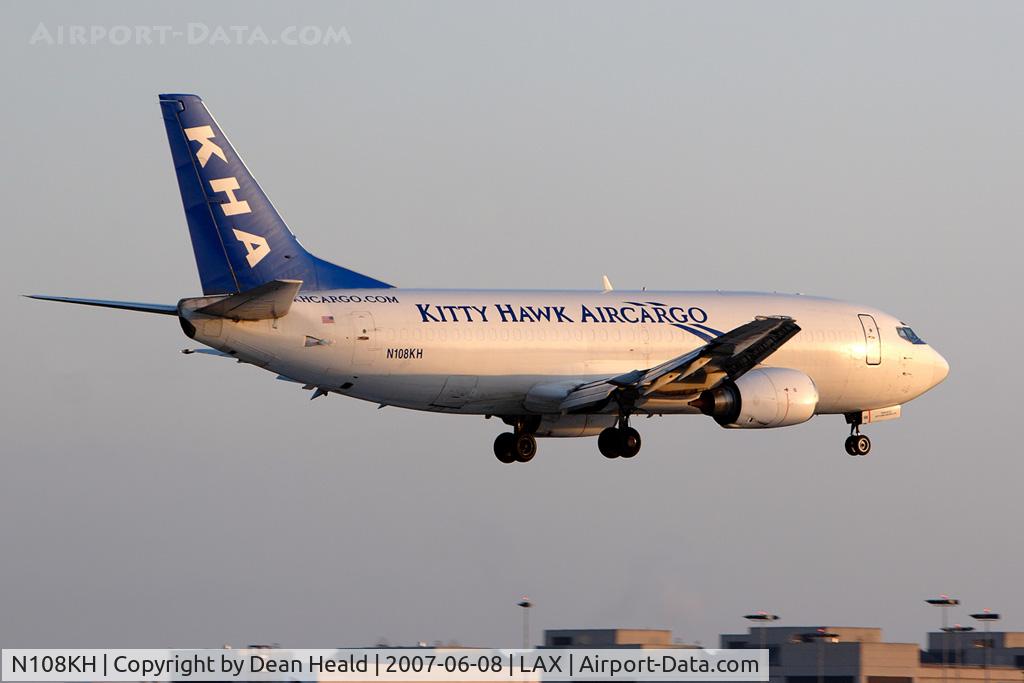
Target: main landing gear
point(856, 443)
point(510, 447)
point(519, 445)
point(620, 441)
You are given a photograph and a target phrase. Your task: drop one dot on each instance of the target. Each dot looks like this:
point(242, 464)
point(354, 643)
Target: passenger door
point(872, 341)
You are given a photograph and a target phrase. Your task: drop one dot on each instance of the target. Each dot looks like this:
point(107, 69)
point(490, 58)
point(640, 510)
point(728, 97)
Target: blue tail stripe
point(239, 239)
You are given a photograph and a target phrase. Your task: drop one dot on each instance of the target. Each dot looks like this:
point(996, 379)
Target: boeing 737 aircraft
point(547, 363)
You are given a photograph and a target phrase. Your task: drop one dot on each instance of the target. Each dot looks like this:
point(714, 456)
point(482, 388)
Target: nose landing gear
point(856, 443)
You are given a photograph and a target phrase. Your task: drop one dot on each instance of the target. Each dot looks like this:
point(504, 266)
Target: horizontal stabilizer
point(209, 352)
point(270, 300)
point(163, 309)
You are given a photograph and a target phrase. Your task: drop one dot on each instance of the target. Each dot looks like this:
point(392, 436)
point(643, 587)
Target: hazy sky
point(867, 151)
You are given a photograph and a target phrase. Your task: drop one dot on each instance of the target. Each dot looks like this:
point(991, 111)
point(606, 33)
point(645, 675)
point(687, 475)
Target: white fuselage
point(481, 352)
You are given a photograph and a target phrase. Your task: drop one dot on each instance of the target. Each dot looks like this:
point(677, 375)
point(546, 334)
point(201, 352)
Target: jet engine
point(761, 399)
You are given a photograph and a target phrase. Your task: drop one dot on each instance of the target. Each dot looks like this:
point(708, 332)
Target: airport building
point(977, 648)
point(830, 654)
point(639, 638)
point(840, 654)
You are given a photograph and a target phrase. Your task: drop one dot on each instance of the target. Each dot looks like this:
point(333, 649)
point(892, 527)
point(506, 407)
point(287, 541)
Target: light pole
point(762, 616)
point(526, 605)
point(821, 635)
point(986, 617)
point(945, 602)
point(956, 630)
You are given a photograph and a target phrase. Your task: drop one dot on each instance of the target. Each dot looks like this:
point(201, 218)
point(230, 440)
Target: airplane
point(546, 363)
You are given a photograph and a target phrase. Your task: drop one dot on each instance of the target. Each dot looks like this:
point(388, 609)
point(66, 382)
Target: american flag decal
point(327, 319)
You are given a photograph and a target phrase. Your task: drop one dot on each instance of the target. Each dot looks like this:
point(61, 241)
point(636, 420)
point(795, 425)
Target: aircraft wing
point(726, 357)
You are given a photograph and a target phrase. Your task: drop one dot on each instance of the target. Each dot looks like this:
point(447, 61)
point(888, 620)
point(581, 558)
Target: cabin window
point(909, 335)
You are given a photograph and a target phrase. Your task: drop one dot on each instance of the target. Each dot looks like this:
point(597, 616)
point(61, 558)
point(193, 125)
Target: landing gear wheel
point(504, 447)
point(525, 447)
point(858, 444)
point(629, 442)
point(609, 443)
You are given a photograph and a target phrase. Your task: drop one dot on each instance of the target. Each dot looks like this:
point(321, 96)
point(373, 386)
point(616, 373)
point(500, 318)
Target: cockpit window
point(909, 335)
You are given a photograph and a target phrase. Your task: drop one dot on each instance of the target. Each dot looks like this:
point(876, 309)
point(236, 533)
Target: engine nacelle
point(761, 399)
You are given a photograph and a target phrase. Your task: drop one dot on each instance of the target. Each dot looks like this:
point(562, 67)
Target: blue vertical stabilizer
point(239, 239)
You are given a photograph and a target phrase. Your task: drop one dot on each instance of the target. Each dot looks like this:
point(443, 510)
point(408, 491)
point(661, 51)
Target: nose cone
point(940, 368)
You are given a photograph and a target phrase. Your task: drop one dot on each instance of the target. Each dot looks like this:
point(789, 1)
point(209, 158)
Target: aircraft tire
point(629, 442)
point(525, 447)
point(504, 447)
point(609, 442)
point(858, 444)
